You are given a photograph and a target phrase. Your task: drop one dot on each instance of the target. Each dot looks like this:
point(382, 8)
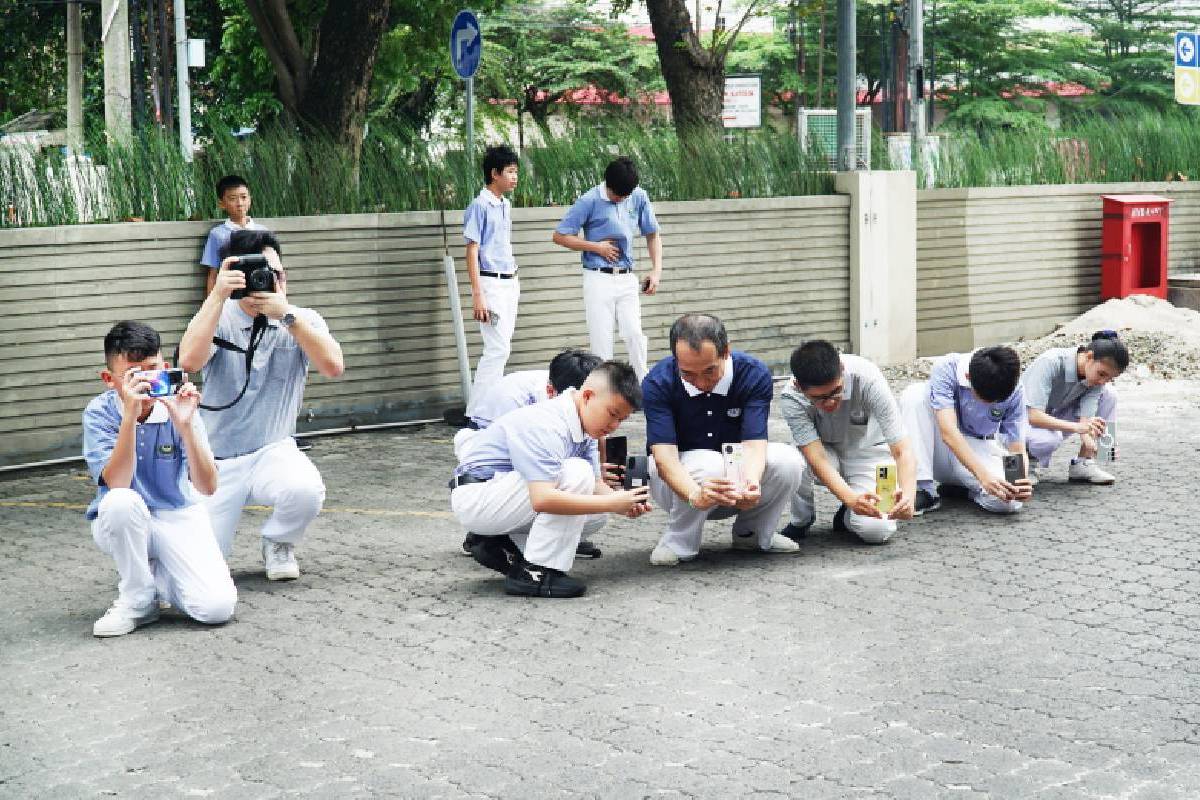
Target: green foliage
point(398, 171)
point(991, 114)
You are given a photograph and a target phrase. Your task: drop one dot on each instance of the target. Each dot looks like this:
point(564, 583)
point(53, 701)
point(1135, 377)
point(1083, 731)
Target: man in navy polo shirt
point(701, 397)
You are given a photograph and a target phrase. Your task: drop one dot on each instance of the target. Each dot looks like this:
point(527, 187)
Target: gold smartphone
point(885, 486)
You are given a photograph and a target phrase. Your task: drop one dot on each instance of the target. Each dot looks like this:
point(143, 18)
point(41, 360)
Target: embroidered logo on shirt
point(734, 412)
point(858, 417)
point(997, 413)
point(166, 449)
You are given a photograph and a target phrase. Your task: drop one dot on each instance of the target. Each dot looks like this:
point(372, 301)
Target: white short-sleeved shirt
point(515, 390)
point(1052, 384)
point(868, 412)
point(533, 441)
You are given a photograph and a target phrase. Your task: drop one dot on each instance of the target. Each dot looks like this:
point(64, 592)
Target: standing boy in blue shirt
point(601, 225)
point(495, 288)
point(142, 452)
point(233, 197)
point(962, 422)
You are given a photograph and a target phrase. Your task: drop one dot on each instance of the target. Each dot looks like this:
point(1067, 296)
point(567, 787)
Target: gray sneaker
point(279, 559)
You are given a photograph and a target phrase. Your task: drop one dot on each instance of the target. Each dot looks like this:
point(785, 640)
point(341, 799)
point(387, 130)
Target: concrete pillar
point(883, 264)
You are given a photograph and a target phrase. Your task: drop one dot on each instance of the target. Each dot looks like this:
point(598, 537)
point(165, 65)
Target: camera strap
point(256, 334)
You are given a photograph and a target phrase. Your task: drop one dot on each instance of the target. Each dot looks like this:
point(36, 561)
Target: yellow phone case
point(885, 486)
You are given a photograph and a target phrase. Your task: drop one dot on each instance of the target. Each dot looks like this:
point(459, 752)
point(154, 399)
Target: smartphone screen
point(1014, 467)
point(885, 486)
point(733, 464)
point(163, 382)
point(616, 452)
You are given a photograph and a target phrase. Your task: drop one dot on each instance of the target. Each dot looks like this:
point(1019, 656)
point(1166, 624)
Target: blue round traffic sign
point(466, 44)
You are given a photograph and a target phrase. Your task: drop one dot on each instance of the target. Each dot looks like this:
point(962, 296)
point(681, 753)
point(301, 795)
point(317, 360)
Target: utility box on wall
point(1134, 240)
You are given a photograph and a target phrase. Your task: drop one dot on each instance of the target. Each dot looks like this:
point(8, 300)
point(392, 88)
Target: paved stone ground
point(1054, 654)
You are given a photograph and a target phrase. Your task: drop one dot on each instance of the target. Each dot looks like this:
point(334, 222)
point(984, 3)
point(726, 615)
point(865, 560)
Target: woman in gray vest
point(1067, 391)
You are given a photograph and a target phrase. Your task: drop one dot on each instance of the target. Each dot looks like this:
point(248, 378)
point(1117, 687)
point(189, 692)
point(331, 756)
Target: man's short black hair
point(622, 380)
point(230, 182)
point(133, 340)
point(696, 329)
point(496, 159)
point(816, 363)
point(621, 176)
point(994, 372)
point(246, 242)
point(570, 368)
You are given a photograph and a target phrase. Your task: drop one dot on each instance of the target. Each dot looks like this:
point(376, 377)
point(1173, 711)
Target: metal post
point(74, 77)
point(185, 89)
point(114, 37)
point(470, 120)
point(916, 66)
point(847, 71)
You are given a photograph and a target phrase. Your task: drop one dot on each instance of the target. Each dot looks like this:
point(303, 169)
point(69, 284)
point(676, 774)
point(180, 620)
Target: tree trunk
point(347, 42)
point(695, 76)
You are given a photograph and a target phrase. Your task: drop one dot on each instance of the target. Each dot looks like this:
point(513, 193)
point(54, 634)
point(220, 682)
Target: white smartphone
point(733, 465)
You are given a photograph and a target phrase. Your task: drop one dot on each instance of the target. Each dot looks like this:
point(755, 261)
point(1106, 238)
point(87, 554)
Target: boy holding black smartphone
point(146, 454)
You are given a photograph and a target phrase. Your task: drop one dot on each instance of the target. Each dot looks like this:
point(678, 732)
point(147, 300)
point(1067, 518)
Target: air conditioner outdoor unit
point(817, 129)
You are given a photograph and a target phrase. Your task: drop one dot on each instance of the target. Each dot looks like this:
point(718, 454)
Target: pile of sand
point(1163, 340)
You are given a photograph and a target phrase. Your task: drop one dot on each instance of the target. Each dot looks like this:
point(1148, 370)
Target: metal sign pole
point(471, 119)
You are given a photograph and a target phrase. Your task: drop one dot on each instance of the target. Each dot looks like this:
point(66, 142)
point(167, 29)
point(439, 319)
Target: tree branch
point(288, 93)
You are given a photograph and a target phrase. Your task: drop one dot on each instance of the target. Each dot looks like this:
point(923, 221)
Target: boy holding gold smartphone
point(846, 423)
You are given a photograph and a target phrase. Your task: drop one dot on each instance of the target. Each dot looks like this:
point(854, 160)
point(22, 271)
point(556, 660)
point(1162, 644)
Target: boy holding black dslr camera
point(254, 411)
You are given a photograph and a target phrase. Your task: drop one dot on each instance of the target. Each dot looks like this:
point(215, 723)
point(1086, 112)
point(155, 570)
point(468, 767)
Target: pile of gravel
point(1163, 340)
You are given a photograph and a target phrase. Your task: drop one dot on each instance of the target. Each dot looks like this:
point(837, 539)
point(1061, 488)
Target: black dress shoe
point(496, 552)
point(531, 580)
point(795, 532)
point(924, 502)
point(469, 541)
point(839, 519)
point(585, 549)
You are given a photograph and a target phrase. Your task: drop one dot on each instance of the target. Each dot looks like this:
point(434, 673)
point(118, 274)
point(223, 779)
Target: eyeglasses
point(836, 394)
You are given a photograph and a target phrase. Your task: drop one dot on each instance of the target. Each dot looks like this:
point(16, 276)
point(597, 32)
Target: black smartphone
point(637, 472)
point(616, 452)
point(1014, 467)
point(645, 284)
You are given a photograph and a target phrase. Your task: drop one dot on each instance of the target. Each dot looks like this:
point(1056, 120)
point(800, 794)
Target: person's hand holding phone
point(613, 476)
point(715, 492)
point(1091, 426)
point(133, 388)
point(181, 407)
point(631, 503)
point(480, 311)
point(650, 284)
point(751, 493)
point(902, 506)
point(866, 505)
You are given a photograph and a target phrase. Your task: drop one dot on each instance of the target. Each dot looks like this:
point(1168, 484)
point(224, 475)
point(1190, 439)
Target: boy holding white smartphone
point(147, 453)
point(847, 425)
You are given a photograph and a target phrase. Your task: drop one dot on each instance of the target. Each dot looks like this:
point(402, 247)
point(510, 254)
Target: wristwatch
point(287, 319)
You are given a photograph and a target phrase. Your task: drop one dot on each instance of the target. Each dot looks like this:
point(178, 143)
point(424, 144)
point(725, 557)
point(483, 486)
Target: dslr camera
point(259, 277)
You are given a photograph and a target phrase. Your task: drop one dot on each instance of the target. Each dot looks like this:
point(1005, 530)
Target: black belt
point(501, 275)
point(463, 480)
point(977, 436)
point(611, 270)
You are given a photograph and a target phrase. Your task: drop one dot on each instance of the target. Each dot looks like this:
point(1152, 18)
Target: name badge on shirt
point(858, 417)
point(734, 412)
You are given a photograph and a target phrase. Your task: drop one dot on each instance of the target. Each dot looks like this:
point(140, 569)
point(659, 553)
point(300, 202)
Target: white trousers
point(857, 468)
point(935, 461)
point(501, 506)
point(277, 475)
point(611, 298)
point(502, 295)
point(170, 553)
point(685, 524)
point(1042, 442)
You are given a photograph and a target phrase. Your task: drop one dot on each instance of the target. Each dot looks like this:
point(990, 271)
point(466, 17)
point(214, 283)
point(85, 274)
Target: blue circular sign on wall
point(466, 44)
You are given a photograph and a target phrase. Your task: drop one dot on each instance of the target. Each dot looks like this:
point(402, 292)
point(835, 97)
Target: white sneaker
point(279, 558)
point(779, 544)
point(664, 556)
point(118, 621)
point(1085, 471)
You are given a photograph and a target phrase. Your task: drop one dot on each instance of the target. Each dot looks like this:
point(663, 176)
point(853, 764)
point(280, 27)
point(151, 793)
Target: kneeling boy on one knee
point(146, 454)
point(963, 421)
point(529, 485)
point(846, 423)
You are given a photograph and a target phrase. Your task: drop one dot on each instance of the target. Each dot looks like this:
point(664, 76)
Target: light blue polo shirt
point(515, 390)
point(267, 412)
point(218, 237)
point(161, 475)
point(488, 223)
point(600, 218)
point(949, 387)
point(533, 441)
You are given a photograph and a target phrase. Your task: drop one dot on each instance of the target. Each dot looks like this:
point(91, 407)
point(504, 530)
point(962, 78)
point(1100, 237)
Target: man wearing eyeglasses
point(257, 458)
point(846, 423)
